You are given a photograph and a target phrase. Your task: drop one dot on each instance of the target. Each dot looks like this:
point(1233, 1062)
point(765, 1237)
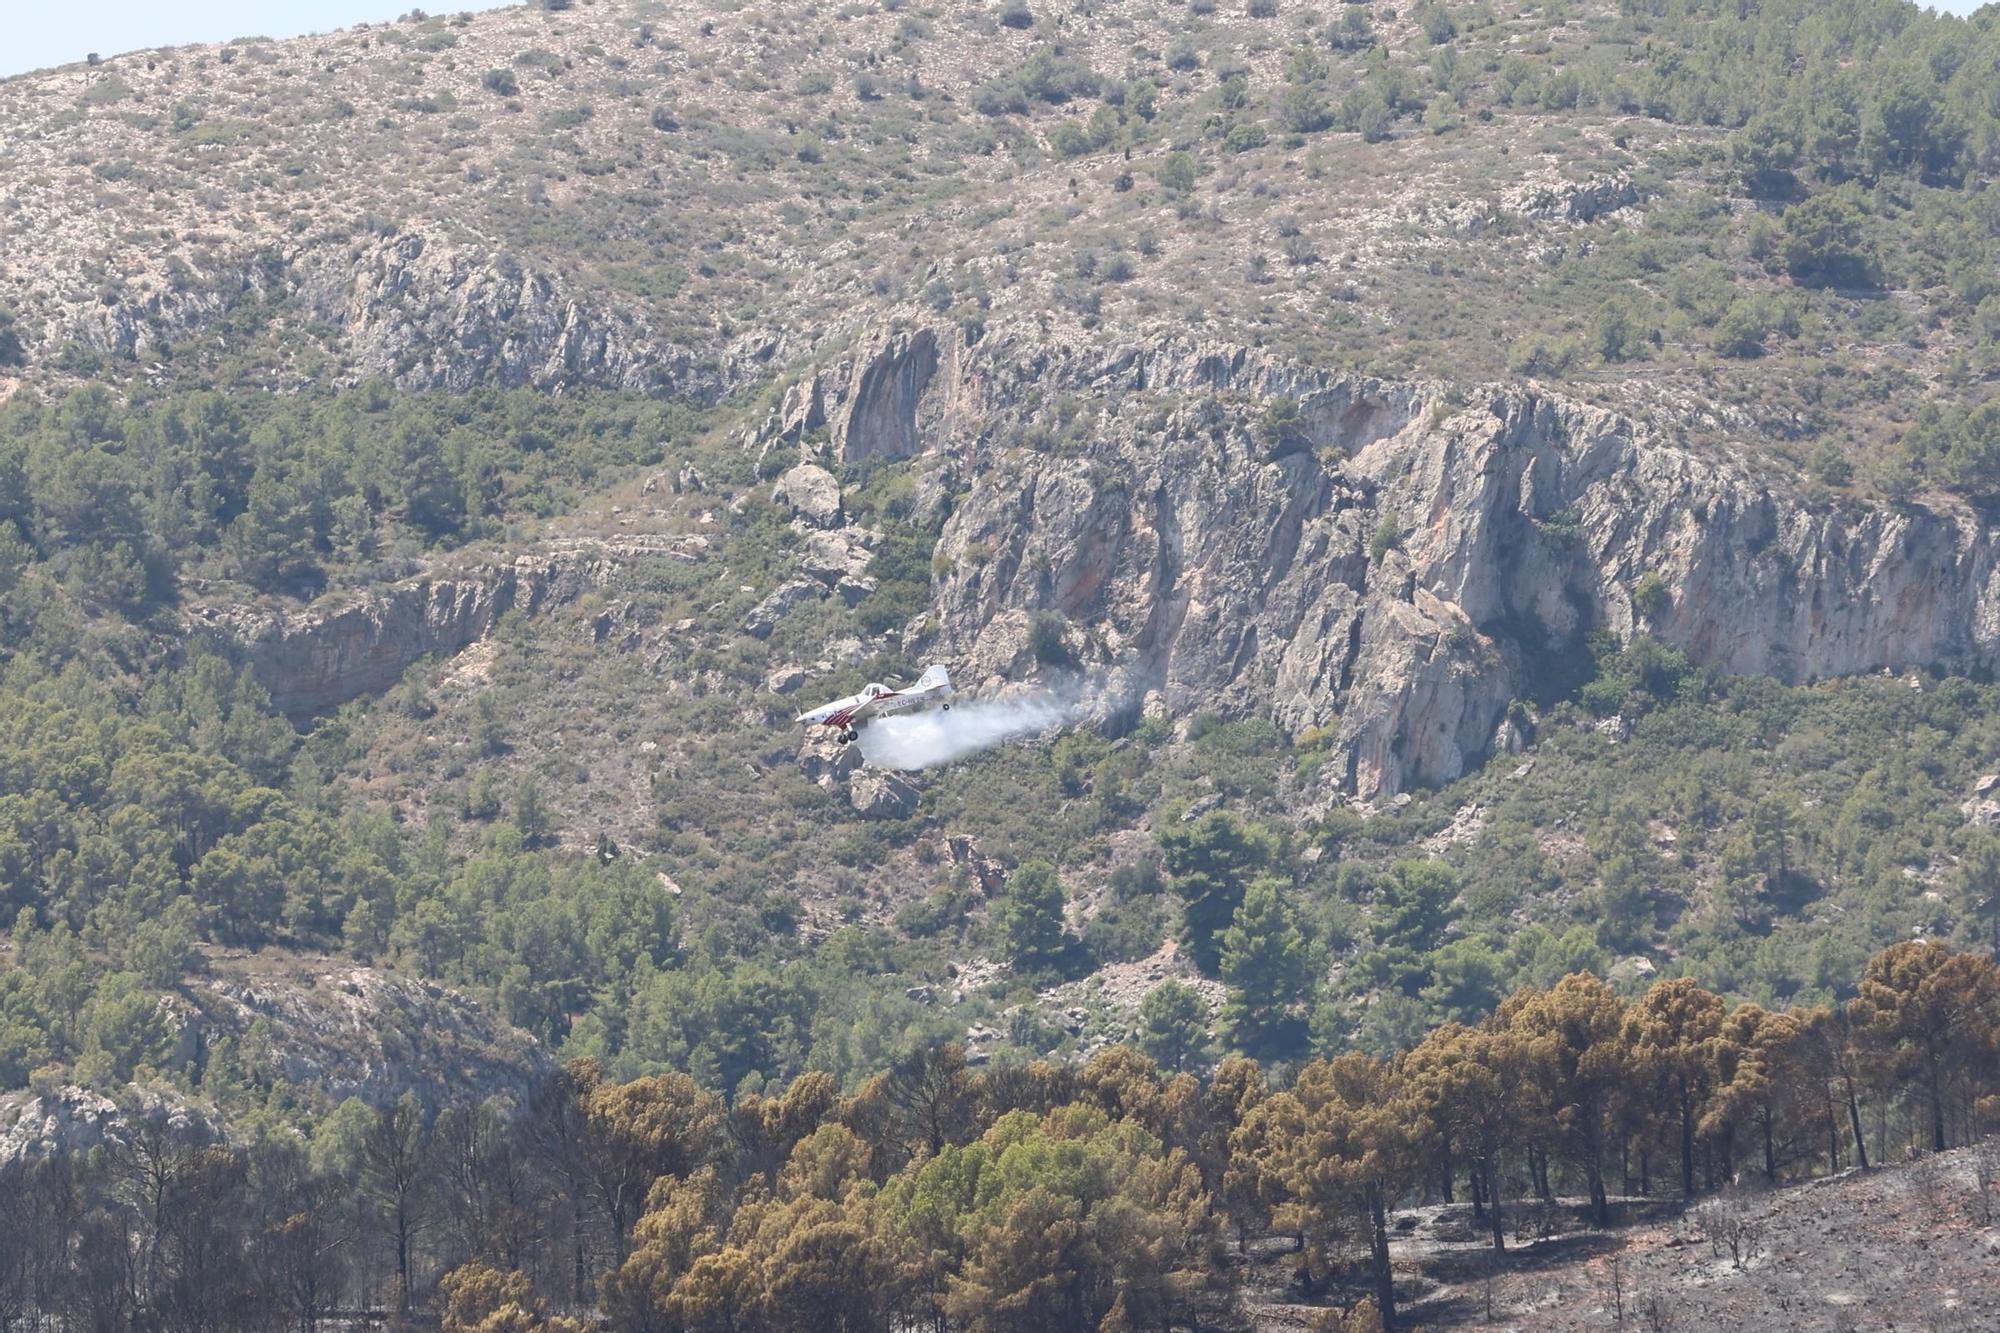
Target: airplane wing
point(933, 688)
point(859, 713)
point(855, 712)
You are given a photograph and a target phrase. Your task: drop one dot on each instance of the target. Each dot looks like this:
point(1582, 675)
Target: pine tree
point(1672, 1034)
point(1413, 905)
point(1268, 968)
point(1030, 917)
point(531, 815)
point(1979, 886)
point(1210, 861)
point(11, 351)
point(1173, 1025)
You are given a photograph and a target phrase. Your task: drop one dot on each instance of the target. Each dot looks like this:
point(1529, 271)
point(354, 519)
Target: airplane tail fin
point(934, 677)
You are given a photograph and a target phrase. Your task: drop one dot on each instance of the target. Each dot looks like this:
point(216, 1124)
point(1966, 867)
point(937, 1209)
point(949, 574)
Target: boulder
point(811, 493)
point(831, 557)
point(1635, 968)
point(825, 759)
point(882, 795)
point(785, 599)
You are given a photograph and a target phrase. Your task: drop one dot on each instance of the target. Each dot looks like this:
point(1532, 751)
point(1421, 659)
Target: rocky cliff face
point(345, 1030)
point(343, 647)
point(419, 312)
point(1395, 565)
point(427, 315)
point(866, 403)
point(359, 1031)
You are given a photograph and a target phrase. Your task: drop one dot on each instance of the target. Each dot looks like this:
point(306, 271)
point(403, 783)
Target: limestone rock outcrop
point(811, 494)
point(867, 404)
point(348, 1030)
point(1407, 560)
point(428, 315)
point(366, 1032)
point(345, 646)
point(878, 794)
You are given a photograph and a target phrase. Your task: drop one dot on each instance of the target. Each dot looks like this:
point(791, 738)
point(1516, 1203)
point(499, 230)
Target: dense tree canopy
point(1019, 1197)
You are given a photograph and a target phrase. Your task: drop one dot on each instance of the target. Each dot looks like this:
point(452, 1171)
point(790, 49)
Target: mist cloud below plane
point(938, 736)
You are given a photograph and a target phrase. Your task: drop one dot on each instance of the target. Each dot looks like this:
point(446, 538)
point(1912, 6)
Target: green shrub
point(1825, 243)
point(1054, 77)
point(1649, 595)
point(1246, 135)
point(1388, 537)
point(1048, 639)
point(1741, 331)
point(1069, 139)
point(1176, 173)
point(1441, 116)
point(12, 353)
point(1544, 355)
point(1436, 22)
point(1618, 332)
point(1283, 426)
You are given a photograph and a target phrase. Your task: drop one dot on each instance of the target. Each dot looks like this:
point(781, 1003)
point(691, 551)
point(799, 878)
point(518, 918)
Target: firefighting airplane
point(932, 690)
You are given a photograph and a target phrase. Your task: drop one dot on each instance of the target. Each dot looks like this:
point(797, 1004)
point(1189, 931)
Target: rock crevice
point(1229, 579)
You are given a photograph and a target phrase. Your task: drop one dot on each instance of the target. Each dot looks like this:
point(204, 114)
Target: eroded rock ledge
point(348, 645)
point(1398, 564)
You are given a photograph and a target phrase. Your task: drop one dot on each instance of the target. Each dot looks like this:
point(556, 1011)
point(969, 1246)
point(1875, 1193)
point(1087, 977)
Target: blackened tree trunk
point(1854, 1124)
point(1385, 1278)
point(1687, 1149)
point(579, 1280)
point(1491, 1170)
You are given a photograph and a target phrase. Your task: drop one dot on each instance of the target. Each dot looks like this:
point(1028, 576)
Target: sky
point(41, 33)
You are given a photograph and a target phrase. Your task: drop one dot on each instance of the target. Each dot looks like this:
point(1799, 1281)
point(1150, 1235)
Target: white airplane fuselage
point(932, 690)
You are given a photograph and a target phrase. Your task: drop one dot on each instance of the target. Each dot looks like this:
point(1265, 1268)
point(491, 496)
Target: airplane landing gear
point(849, 737)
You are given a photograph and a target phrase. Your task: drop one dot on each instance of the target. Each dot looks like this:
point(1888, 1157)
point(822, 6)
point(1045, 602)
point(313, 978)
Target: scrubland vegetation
point(1039, 1195)
point(1119, 1028)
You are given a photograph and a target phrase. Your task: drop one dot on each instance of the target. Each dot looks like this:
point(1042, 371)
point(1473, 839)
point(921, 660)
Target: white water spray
point(925, 740)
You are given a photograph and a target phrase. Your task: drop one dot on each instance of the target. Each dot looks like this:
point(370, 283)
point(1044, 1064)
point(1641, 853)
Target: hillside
point(1913, 1244)
point(701, 201)
point(1856, 1250)
point(1489, 493)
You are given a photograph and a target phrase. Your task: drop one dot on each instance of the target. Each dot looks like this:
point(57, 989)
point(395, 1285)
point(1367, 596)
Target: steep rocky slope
point(347, 1030)
point(1080, 347)
point(1398, 565)
point(357, 643)
point(696, 201)
point(327, 1027)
